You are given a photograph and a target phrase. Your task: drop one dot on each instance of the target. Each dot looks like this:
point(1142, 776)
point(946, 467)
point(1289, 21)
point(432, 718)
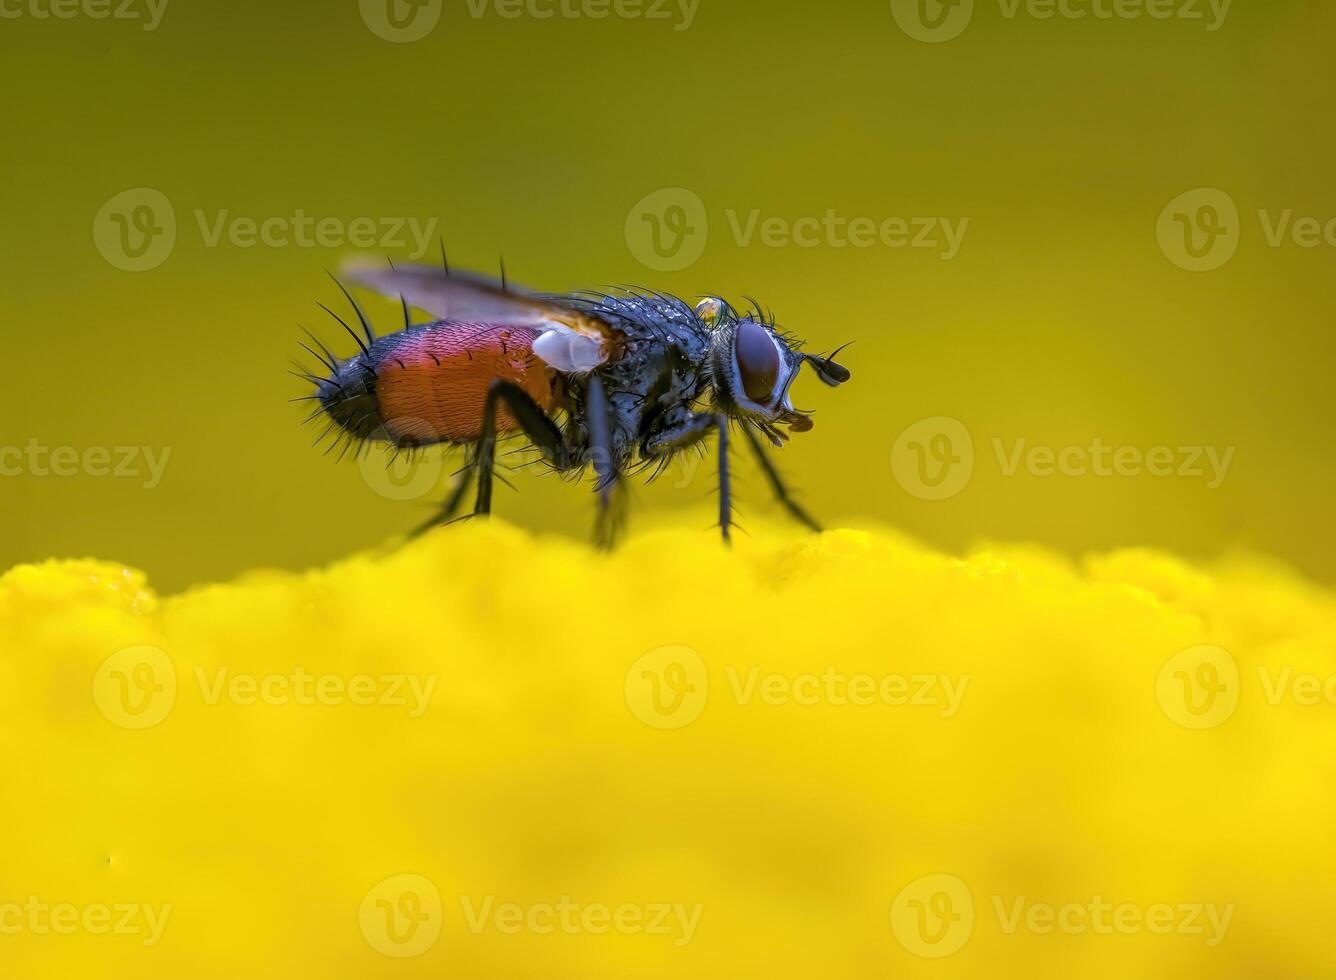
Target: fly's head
point(753, 365)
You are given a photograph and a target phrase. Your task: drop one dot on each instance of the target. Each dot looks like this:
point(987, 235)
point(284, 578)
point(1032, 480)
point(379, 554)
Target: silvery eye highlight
point(758, 361)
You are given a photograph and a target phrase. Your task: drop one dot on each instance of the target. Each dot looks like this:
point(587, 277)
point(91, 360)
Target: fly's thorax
point(656, 375)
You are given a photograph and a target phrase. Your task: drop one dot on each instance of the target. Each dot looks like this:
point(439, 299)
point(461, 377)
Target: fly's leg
point(450, 505)
point(673, 434)
point(777, 483)
point(608, 483)
point(725, 482)
point(537, 425)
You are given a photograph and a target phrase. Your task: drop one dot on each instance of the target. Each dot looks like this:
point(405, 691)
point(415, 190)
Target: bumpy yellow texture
point(574, 801)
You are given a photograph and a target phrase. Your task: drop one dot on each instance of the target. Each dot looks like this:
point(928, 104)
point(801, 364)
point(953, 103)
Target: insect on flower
point(619, 382)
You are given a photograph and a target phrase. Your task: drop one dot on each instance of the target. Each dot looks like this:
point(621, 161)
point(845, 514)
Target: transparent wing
point(572, 341)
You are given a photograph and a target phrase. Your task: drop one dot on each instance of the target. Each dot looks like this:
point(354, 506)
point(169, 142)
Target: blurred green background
point(1063, 318)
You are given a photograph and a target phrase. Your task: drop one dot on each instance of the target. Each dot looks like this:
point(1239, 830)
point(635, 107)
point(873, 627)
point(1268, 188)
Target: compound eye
point(758, 361)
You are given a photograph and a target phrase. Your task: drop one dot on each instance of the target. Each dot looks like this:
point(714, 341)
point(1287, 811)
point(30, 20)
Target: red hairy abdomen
point(432, 385)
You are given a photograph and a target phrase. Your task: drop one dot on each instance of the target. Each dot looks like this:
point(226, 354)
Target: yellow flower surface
point(491, 755)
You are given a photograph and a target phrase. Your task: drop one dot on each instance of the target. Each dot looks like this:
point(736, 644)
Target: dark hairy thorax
point(654, 378)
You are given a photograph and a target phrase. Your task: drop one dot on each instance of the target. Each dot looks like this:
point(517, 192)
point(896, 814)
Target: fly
point(617, 382)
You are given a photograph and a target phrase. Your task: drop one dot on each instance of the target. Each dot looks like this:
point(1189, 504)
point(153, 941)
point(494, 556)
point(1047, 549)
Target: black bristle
point(366, 324)
point(330, 357)
point(351, 332)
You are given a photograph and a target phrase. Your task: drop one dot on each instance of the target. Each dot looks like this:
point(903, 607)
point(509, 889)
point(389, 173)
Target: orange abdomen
point(432, 384)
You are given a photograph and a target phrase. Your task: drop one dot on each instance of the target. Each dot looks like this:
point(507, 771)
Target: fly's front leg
point(725, 482)
point(535, 423)
point(777, 483)
point(674, 433)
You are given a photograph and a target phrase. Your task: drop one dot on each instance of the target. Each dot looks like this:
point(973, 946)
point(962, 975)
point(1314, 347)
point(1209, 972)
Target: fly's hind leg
point(535, 423)
point(449, 506)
